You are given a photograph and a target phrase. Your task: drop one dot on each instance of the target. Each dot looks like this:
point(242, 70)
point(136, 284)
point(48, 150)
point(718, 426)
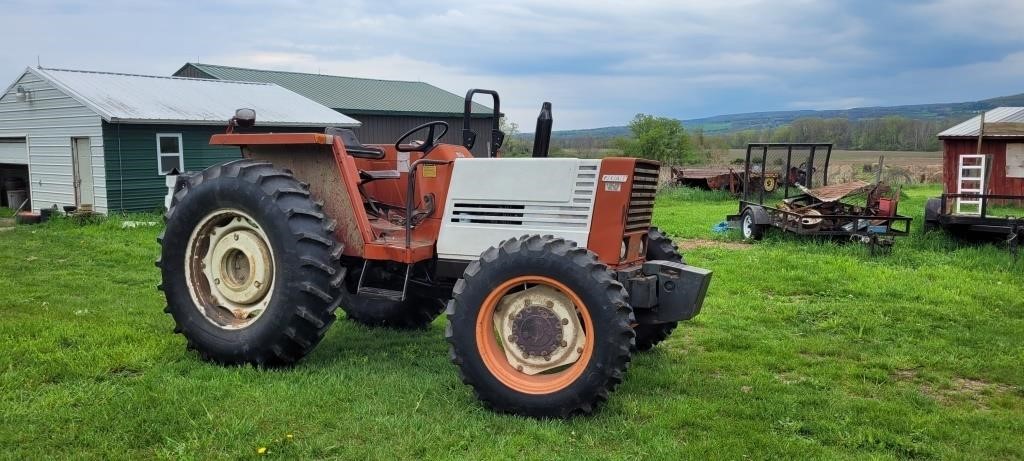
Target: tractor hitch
point(666, 291)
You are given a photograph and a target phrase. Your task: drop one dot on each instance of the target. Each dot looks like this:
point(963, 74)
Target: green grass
point(804, 350)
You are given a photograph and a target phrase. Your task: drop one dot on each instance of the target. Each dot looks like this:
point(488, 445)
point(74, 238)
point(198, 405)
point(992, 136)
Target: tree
point(658, 138)
point(515, 145)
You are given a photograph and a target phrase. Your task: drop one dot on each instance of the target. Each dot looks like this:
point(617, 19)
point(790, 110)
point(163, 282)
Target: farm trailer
point(983, 179)
point(808, 205)
point(725, 179)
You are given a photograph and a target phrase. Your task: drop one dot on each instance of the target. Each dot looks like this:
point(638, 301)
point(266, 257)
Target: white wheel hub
point(230, 269)
point(748, 226)
point(540, 329)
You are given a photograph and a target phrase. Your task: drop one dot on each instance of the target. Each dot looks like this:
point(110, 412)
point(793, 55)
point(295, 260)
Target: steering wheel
point(431, 139)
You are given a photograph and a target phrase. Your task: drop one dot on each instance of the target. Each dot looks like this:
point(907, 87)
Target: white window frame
point(160, 155)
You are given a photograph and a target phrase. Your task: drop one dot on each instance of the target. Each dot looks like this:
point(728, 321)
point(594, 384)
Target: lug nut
point(519, 367)
point(216, 281)
point(550, 303)
point(547, 357)
point(256, 283)
point(565, 321)
point(236, 236)
point(511, 338)
point(579, 349)
point(563, 343)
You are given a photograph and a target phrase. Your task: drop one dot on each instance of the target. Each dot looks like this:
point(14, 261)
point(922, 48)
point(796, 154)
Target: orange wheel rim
point(494, 357)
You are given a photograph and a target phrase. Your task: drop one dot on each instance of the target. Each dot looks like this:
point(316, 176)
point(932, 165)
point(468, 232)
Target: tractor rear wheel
point(539, 327)
point(249, 265)
point(659, 246)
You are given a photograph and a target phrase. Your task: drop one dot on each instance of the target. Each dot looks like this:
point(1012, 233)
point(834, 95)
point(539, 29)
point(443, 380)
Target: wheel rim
point(546, 339)
point(748, 226)
point(229, 267)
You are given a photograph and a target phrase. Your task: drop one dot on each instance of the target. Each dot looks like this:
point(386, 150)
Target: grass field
point(804, 350)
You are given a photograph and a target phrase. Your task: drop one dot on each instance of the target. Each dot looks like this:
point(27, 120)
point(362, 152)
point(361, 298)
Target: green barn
point(75, 138)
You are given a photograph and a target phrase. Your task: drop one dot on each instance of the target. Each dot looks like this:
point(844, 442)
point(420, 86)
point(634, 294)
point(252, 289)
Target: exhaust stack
point(542, 135)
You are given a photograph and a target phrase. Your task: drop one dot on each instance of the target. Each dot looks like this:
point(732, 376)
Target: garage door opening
point(14, 186)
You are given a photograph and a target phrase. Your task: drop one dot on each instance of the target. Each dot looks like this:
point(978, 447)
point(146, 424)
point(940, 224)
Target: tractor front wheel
point(539, 327)
point(249, 265)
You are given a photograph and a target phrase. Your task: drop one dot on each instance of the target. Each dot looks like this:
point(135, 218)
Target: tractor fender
point(760, 215)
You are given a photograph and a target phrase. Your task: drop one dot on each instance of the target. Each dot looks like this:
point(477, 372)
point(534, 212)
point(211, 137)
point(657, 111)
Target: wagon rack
point(807, 205)
point(725, 179)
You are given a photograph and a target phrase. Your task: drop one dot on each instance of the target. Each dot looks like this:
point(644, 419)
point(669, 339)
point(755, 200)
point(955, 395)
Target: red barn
point(1003, 141)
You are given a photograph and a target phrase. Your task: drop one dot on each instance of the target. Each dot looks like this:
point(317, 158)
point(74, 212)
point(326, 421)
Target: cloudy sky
point(598, 62)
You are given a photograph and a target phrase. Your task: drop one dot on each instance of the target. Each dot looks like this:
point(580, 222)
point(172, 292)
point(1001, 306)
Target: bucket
point(15, 198)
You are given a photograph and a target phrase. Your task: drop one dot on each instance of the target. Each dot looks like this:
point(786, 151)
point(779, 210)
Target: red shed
point(1003, 141)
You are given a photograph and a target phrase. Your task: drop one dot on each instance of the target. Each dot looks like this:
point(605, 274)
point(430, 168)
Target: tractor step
point(379, 292)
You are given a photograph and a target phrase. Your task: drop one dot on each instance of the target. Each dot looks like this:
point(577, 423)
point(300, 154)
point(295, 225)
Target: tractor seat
point(353, 146)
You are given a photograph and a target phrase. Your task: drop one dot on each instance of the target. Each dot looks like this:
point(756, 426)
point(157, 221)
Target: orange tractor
point(550, 270)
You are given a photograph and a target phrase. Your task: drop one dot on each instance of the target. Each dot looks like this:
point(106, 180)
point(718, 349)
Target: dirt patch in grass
point(692, 244)
point(958, 390)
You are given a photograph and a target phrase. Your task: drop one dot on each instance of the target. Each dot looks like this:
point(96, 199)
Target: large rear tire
point(659, 246)
point(539, 327)
point(250, 269)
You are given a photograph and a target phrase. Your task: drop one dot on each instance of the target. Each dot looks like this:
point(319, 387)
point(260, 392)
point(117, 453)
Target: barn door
point(971, 180)
point(82, 153)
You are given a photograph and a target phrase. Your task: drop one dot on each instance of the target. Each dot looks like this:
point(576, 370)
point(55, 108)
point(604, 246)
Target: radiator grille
point(641, 198)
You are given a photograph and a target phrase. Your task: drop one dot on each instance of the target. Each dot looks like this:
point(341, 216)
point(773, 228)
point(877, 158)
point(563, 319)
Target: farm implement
point(802, 208)
point(548, 269)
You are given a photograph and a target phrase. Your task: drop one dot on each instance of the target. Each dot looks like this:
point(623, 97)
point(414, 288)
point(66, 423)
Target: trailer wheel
point(539, 327)
point(931, 215)
point(247, 262)
point(659, 246)
point(748, 224)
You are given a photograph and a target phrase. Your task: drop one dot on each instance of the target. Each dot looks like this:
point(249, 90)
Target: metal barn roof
point(174, 100)
point(971, 127)
point(353, 95)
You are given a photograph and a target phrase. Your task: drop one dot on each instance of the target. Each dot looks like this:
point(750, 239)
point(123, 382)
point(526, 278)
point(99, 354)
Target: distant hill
point(721, 124)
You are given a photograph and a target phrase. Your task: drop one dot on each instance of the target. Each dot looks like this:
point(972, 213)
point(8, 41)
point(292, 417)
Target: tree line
point(893, 133)
point(665, 139)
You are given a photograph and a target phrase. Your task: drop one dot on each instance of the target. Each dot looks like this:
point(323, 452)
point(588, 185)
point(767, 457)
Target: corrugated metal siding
point(998, 182)
point(386, 129)
point(131, 159)
point(971, 127)
point(49, 120)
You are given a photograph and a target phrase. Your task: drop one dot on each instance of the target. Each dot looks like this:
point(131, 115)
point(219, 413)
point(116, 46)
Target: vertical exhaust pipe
point(542, 135)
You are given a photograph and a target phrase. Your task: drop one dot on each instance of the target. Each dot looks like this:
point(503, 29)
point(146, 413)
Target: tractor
point(548, 270)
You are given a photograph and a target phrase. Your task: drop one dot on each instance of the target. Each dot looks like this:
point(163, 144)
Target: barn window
point(1015, 160)
point(169, 153)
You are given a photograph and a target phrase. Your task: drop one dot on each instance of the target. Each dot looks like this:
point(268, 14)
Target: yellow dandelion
point(289, 436)
point(261, 450)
